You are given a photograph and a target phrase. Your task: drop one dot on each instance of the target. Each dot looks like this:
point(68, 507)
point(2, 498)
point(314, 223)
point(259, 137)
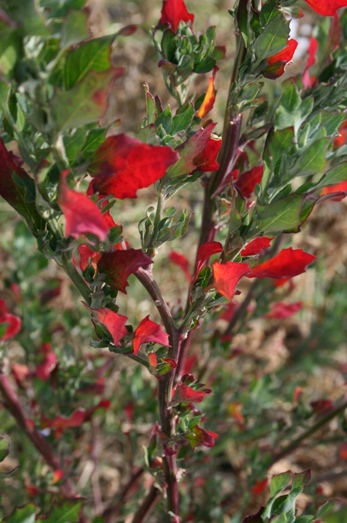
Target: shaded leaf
point(10, 174)
point(248, 180)
point(117, 266)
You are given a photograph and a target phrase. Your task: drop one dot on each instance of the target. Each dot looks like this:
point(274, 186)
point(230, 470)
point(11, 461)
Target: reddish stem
point(146, 507)
point(15, 408)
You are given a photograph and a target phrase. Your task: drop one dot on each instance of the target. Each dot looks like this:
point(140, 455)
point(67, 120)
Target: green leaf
point(93, 55)
point(66, 512)
point(10, 48)
point(311, 160)
point(86, 102)
point(301, 479)
point(287, 112)
point(74, 28)
point(325, 509)
point(59, 9)
point(24, 514)
point(305, 519)
point(273, 39)
point(279, 483)
point(165, 120)
point(268, 12)
point(279, 216)
point(279, 149)
point(183, 118)
point(5, 445)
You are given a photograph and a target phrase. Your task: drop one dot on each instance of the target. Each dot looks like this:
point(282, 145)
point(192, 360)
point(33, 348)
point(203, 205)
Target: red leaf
point(307, 79)
point(62, 422)
point(338, 187)
point(343, 452)
point(276, 63)
point(206, 161)
point(286, 264)
point(13, 323)
point(228, 311)
point(280, 310)
point(260, 486)
point(200, 436)
point(82, 215)
point(181, 261)
point(321, 407)
point(9, 165)
point(173, 12)
point(227, 275)
point(198, 152)
point(184, 393)
point(86, 255)
point(205, 251)
point(44, 369)
point(57, 476)
point(149, 331)
point(342, 138)
point(115, 323)
point(123, 165)
point(103, 404)
point(210, 97)
point(248, 180)
point(118, 265)
point(326, 7)
point(256, 246)
point(20, 372)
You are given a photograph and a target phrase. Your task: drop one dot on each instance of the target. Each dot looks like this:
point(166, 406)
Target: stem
point(308, 432)
point(165, 385)
point(76, 279)
point(148, 503)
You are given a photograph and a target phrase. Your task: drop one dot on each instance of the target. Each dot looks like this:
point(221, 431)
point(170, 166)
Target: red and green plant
point(70, 172)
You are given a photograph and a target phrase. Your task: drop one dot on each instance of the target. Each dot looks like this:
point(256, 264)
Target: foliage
point(72, 175)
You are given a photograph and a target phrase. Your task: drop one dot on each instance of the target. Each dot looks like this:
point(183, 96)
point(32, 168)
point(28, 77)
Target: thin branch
point(147, 506)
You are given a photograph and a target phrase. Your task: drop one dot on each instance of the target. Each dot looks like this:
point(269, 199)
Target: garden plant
point(141, 259)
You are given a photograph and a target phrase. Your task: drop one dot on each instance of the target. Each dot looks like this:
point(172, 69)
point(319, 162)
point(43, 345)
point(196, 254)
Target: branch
point(165, 385)
point(148, 504)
